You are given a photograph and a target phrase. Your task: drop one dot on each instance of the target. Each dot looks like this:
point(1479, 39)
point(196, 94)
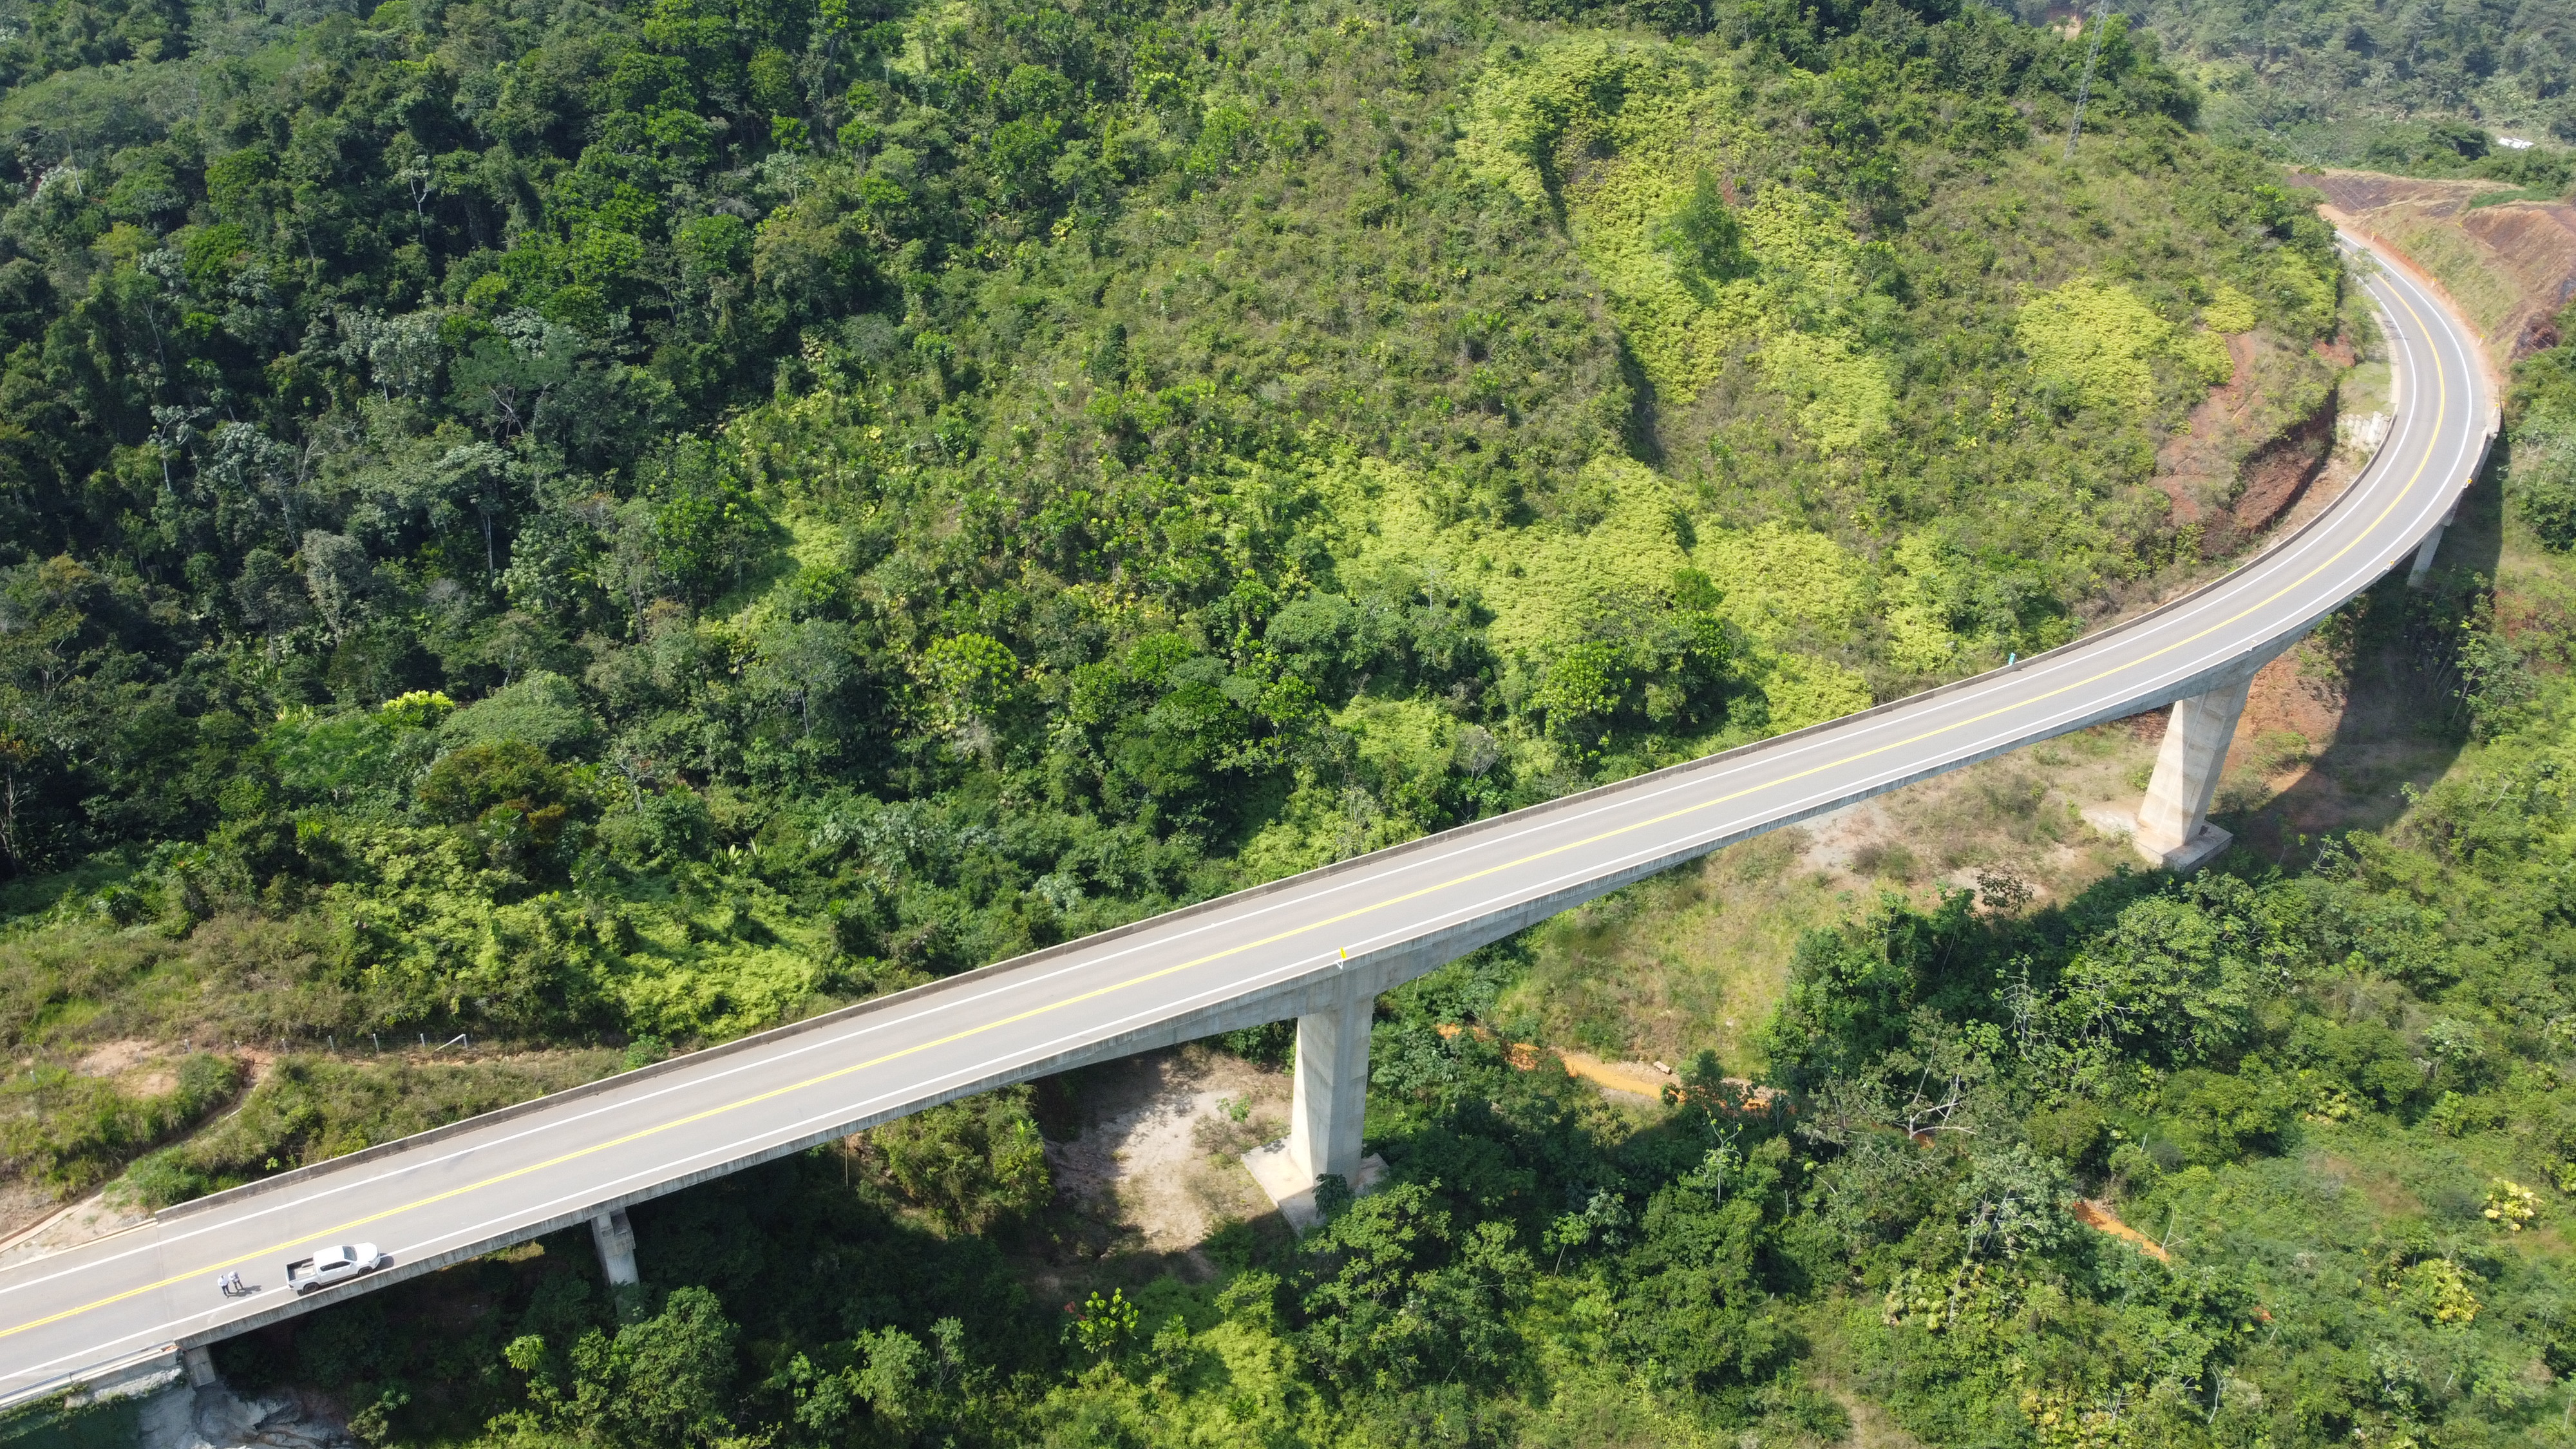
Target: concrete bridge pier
point(1331, 1097)
point(614, 1236)
point(1329, 1108)
point(1329, 1104)
point(2431, 545)
point(2173, 824)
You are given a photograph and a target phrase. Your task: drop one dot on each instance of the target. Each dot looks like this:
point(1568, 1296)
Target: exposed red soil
point(2535, 242)
point(1638, 1079)
point(2282, 469)
point(2192, 466)
point(2230, 491)
point(2530, 245)
point(2099, 1217)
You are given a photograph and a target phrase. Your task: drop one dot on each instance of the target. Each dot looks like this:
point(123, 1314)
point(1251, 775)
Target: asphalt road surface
point(468, 1190)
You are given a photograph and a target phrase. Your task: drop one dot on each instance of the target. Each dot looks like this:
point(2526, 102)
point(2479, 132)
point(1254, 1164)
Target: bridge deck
point(1259, 955)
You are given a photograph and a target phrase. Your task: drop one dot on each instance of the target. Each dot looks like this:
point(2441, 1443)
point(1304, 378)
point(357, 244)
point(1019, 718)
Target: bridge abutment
point(2173, 823)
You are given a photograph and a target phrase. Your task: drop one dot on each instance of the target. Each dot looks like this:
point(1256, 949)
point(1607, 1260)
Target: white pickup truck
point(335, 1265)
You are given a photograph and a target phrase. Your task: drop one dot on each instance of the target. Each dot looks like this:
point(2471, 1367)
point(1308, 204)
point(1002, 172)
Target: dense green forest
point(603, 528)
point(2334, 1090)
point(2419, 88)
point(578, 525)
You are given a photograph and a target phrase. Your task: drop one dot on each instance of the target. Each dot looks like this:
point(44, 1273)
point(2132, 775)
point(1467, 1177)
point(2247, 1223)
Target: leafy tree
point(2015, 1203)
point(1706, 240)
point(969, 1164)
point(705, 526)
point(2174, 977)
point(1694, 1300)
point(1398, 1296)
point(473, 779)
point(668, 1379)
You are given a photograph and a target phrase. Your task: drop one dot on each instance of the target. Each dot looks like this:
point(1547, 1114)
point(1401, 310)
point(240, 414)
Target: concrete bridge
point(1318, 947)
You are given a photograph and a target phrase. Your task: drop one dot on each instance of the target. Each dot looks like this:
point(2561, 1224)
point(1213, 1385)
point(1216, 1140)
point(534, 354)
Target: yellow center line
point(2440, 415)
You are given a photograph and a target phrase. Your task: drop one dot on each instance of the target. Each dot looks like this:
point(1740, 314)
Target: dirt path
point(2099, 1217)
point(42, 1226)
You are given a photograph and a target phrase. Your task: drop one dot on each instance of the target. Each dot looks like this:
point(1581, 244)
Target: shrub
point(969, 1164)
point(2094, 339)
point(2544, 481)
point(472, 779)
point(543, 710)
point(72, 1132)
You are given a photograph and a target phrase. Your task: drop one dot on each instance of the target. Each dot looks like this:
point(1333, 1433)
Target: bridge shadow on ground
point(2385, 671)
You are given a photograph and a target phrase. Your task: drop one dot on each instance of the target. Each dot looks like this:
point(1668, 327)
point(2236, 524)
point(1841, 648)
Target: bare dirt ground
point(2328, 746)
point(1144, 1156)
point(2509, 266)
point(39, 1225)
point(1871, 1428)
point(135, 1061)
point(1697, 959)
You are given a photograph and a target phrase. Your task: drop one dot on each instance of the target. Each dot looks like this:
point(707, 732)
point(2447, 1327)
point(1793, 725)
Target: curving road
point(1258, 955)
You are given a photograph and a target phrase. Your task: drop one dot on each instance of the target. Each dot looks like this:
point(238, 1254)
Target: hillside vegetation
point(2424, 90)
point(2278, 1156)
point(2328, 1094)
point(628, 526)
point(578, 532)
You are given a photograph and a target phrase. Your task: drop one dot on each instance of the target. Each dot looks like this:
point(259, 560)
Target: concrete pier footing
point(1292, 1191)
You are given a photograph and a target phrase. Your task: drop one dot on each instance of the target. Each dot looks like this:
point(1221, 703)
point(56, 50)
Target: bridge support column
point(2173, 824)
point(200, 1366)
point(615, 1238)
point(1331, 1100)
point(2431, 545)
